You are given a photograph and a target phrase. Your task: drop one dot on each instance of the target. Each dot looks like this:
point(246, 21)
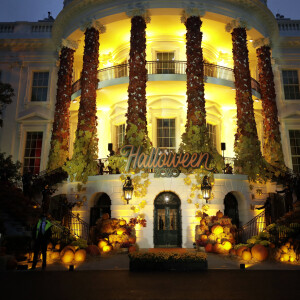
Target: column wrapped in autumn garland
point(83, 162)
point(59, 151)
point(272, 140)
point(196, 138)
point(247, 145)
point(136, 129)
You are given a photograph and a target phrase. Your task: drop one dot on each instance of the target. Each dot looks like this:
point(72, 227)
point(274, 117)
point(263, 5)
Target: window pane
point(295, 148)
point(166, 134)
point(39, 86)
point(291, 84)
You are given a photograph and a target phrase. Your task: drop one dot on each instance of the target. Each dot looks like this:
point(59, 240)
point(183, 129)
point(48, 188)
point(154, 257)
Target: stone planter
point(167, 266)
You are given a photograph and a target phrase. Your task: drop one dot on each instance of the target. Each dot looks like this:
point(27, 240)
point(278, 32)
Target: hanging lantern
point(206, 188)
point(128, 189)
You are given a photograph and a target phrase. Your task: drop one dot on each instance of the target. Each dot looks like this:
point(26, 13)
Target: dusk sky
point(33, 10)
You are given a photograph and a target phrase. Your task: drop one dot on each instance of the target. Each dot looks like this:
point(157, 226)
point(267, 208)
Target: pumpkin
point(68, 256)
point(284, 257)
point(284, 249)
point(92, 250)
point(203, 222)
point(132, 249)
point(219, 214)
point(121, 231)
point(239, 251)
point(217, 229)
point(50, 246)
point(55, 255)
point(208, 247)
point(288, 244)
point(292, 259)
point(217, 248)
point(122, 222)
point(69, 247)
point(246, 255)
point(132, 240)
point(227, 245)
point(80, 255)
point(57, 247)
point(207, 232)
point(102, 243)
point(203, 237)
point(107, 248)
point(259, 252)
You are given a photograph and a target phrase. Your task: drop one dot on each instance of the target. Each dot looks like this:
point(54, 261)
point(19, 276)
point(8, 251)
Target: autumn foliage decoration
point(136, 129)
point(272, 139)
point(59, 151)
point(247, 145)
point(83, 162)
point(196, 138)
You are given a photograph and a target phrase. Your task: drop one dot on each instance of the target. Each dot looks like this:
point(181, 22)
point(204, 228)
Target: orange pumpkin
point(105, 216)
point(203, 222)
point(232, 251)
point(49, 246)
point(67, 257)
point(121, 231)
point(219, 214)
point(246, 255)
point(217, 229)
point(69, 247)
point(217, 248)
point(107, 248)
point(57, 247)
point(102, 243)
point(80, 255)
point(208, 247)
point(122, 222)
point(203, 237)
point(227, 245)
point(132, 239)
point(239, 251)
point(259, 252)
point(55, 255)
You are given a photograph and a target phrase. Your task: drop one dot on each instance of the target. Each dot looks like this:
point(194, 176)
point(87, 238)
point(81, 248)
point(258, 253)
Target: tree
point(9, 171)
point(6, 95)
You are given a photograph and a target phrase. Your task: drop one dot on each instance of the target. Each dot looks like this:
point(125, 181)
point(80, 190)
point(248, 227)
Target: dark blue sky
point(33, 10)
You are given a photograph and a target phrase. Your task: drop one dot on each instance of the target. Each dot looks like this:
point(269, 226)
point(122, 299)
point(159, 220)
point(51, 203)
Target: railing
point(288, 25)
point(78, 227)
point(7, 28)
point(253, 227)
point(166, 67)
point(41, 28)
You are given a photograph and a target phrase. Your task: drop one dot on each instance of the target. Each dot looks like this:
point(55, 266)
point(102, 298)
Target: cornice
point(256, 13)
point(26, 44)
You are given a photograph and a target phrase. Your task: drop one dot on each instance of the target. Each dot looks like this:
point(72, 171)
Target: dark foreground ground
point(117, 285)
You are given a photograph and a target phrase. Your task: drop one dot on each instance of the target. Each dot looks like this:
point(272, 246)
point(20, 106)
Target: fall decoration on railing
point(247, 145)
point(272, 139)
point(196, 138)
point(137, 103)
point(59, 151)
point(83, 162)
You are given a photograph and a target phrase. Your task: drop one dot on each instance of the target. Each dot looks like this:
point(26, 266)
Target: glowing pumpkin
point(217, 229)
point(259, 252)
point(68, 256)
point(208, 247)
point(67, 248)
point(55, 255)
point(284, 249)
point(102, 243)
point(107, 248)
point(246, 255)
point(217, 248)
point(284, 257)
point(57, 247)
point(239, 251)
point(292, 259)
point(219, 214)
point(203, 237)
point(80, 255)
point(122, 222)
point(227, 245)
point(121, 231)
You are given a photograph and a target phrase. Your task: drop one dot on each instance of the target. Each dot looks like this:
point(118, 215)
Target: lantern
point(206, 188)
point(127, 189)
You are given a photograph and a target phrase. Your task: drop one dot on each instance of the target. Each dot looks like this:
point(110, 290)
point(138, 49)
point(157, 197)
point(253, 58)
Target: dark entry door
point(231, 209)
point(167, 221)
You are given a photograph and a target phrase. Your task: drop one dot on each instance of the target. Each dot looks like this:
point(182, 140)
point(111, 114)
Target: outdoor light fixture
point(206, 188)
point(128, 189)
point(167, 198)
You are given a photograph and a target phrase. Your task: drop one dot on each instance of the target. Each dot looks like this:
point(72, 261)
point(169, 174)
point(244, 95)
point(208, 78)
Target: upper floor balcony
point(166, 71)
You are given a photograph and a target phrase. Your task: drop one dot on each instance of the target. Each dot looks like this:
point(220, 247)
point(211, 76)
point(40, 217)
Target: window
point(166, 134)
point(212, 133)
point(120, 135)
point(291, 84)
point(165, 62)
point(295, 149)
point(40, 86)
point(33, 151)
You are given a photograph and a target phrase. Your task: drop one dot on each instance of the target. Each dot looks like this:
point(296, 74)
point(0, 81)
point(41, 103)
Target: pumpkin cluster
point(215, 233)
point(288, 252)
point(112, 234)
point(257, 252)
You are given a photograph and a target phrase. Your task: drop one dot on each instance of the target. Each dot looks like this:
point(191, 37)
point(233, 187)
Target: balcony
point(166, 68)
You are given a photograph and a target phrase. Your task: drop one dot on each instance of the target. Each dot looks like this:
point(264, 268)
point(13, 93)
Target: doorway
point(102, 206)
point(231, 209)
point(167, 221)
